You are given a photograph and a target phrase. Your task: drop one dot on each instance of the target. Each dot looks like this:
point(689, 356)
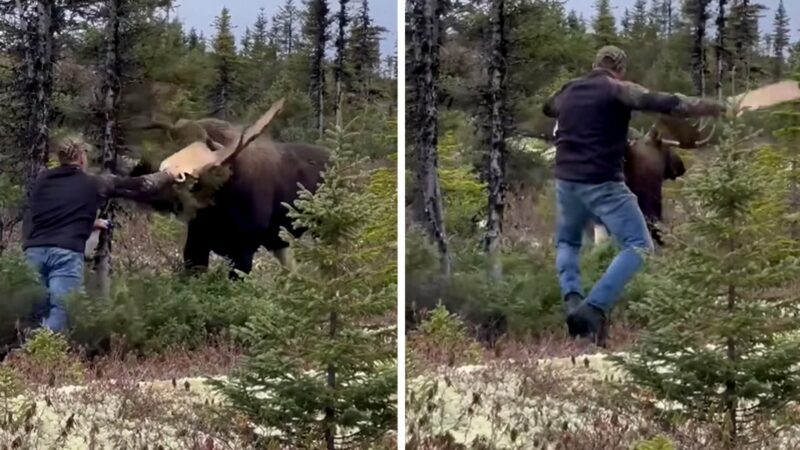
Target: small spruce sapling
point(722, 343)
point(319, 369)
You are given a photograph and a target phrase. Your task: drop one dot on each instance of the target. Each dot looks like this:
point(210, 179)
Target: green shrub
point(20, 291)
point(528, 297)
point(151, 312)
point(656, 443)
point(447, 332)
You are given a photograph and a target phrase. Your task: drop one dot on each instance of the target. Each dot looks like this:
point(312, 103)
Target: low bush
point(20, 291)
point(526, 302)
point(148, 312)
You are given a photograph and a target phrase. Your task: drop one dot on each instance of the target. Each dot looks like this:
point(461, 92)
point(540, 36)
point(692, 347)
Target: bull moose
point(233, 188)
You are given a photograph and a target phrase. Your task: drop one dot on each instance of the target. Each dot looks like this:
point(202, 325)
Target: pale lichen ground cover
point(158, 414)
point(516, 405)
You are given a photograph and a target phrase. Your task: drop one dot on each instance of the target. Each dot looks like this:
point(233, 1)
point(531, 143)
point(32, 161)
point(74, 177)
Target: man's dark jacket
point(593, 115)
point(64, 202)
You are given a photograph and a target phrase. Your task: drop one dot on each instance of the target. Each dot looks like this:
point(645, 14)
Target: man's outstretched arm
point(136, 188)
point(551, 105)
point(639, 98)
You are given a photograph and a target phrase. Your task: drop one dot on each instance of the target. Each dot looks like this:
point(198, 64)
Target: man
point(63, 205)
point(593, 114)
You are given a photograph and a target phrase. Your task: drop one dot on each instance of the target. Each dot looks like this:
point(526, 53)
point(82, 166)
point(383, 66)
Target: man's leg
point(66, 277)
point(571, 217)
point(616, 205)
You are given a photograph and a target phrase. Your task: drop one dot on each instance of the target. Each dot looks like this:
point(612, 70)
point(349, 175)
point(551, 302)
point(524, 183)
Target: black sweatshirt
point(64, 202)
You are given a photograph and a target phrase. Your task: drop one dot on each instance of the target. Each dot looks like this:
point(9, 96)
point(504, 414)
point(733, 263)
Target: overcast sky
point(200, 14)
point(586, 7)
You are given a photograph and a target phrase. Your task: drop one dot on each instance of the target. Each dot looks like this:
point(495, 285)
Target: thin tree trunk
point(38, 59)
point(698, 47)
point(427, 204)
point(720, 47)
point(497, 146)
point(794, 198)
point(317, 70)
point(338, 72)
point(109, 106)
point(731, 394)
point(330, 413)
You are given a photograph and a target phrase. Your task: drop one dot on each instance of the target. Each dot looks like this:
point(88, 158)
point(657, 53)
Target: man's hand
point(101, 224)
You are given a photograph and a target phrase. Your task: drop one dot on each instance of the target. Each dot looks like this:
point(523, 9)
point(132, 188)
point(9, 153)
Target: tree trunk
point(427, 201)
point(497, 147)
point(731, 394)
point(109, 110)
point(317, 59)
point(38, 60)
point(698, 47)
point(338, 72)
point(330, 412)
point(720, 48)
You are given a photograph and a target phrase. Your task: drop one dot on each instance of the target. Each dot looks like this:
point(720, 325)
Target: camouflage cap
point(611, 57)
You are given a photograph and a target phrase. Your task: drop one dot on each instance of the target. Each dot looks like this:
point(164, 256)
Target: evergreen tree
point(639, 26)
point(339, 72)
point(497, 130)
point(604, 27)
point(744, 16)
point(697, 12)
point(626, 24)
point(224, 46)
point(780, 39)
point(261, 38)
point(424, 27)
point(330, 379)
point(719, 49)
point(722, 340)
point(285, 28)
point(316, 30)
point(364, 56)
point(575, 23)
point(195, 41)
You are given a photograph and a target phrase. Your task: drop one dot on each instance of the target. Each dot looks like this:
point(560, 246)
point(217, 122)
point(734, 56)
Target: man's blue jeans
point(61, 271)
point(615, 205)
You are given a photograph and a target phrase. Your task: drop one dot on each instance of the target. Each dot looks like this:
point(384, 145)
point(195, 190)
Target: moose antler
point(205, 153)
point(682, 133)
point(766, 96)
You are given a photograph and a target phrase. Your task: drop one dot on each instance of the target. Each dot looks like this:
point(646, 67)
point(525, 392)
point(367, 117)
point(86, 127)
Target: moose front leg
point(196, 250)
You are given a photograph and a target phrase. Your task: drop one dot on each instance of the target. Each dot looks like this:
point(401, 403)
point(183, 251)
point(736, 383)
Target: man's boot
point(588, 321)
point(572, 301)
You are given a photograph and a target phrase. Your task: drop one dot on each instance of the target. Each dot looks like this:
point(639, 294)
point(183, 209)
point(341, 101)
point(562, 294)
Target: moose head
point(203, 165)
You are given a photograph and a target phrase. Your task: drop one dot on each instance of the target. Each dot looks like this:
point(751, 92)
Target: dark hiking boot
point(572, 301)
point(588, 321)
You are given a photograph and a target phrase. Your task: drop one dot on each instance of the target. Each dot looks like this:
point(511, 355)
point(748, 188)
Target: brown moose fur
point(247, 211)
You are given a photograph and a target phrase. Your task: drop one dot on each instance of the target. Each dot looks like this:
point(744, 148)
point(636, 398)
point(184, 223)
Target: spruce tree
point(317, 371)
point(722, 341)
point(364, 54)
point(604, 27)
point(224, 55)
point(780, 39)
point(316, 31)
point(286, 24)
